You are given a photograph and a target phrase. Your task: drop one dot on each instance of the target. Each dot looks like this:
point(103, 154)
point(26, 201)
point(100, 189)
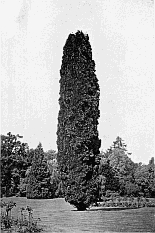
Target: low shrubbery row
point(128, 202)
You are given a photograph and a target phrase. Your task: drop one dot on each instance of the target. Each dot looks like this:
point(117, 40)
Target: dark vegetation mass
point(78, 142)
point(35, 174)
point(30, 173)
point(79, 172)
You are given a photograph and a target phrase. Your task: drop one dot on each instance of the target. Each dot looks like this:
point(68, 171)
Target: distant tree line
point(118, 173)
point(34, 173)
point(27, 172)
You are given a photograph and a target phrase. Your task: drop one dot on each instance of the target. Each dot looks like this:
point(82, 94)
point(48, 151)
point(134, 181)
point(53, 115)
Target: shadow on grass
point(108, 209)
point(111, 208)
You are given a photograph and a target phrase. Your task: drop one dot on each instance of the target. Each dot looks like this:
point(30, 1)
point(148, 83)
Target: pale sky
point(121, 35)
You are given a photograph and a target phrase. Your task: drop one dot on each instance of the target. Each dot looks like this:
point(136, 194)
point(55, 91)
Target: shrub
point(21, 224)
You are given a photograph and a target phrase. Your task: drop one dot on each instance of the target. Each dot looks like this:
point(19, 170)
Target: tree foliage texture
point(78, 142)
point(38, 180)
point(13, 163)
point(122, 166)
point(145, 178)
point(132, 179)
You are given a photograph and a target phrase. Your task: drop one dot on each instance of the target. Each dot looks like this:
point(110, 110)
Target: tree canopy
point(38, 180)
point(13, 163)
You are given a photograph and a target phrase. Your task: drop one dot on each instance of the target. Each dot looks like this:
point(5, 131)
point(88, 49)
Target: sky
point(121, 34)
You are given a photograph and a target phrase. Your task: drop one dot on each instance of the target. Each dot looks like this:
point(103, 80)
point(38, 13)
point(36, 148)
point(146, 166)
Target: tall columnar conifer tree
point(77, 135)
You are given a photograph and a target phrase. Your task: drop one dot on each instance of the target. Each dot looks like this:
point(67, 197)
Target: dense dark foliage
point(107, 179)
point(39, 177)
point(117, 175)
point(13, 163)
point(127, 178)
point(78, 142)
point(145, 178)
point(22, 168)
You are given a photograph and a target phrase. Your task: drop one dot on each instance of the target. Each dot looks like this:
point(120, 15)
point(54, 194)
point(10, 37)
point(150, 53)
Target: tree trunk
point(81, 207)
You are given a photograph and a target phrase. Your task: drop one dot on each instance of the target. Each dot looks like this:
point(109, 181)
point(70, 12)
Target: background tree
point(145, 178)
point(151, 170)
point(108, 180)
point(38, 179)
point(51, 155)
point(134, 179)
point(52, 164)
point(78, 142)
point(122, 166)
point(13, 163)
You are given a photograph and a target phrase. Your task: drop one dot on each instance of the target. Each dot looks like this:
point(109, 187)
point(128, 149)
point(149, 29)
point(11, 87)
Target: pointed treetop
point(76, 44)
